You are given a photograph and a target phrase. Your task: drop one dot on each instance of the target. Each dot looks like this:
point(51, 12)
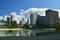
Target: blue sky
point(8, 6)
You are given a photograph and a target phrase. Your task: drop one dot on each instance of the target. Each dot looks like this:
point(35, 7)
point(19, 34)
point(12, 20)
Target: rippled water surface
point(28, 32)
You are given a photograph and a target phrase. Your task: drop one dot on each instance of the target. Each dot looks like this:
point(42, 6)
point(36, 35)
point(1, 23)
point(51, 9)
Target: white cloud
point(1, 17)
point(5, 17)
point(40, 11)
point(16, 16)
point(21, 10)
point(59, 13)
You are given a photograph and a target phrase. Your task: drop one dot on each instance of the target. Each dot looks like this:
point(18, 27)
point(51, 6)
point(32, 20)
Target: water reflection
point(25, 32)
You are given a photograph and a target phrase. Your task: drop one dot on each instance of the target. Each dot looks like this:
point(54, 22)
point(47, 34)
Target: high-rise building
point(11, 20)
point(37, 20)
point(40, 20)
point(27, 21)
point(20, 23)
point(59, 20)
point(8, 22)
point(51, 17)
point(33, 18)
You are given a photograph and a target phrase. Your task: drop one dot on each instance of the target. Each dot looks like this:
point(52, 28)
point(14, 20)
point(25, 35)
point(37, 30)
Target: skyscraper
point(22, 21)
point(20, 24)
point(33, 18)
point(51, 17)
point(11, 20)
point(8, 22)
point(40, 21)
point(27, 21)
point(36, 19)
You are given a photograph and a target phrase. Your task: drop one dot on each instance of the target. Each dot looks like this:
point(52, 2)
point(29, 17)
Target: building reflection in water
point(17, 33)
point(24, 32)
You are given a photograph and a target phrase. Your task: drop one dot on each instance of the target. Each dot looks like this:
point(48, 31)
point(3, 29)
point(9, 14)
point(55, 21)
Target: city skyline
point(26, 13)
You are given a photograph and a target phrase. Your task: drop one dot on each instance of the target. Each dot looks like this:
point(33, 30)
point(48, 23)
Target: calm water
point(27, 32)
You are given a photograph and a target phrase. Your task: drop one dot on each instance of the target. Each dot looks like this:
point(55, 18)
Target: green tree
point(26, 26)
point(57, 26)
point(14, 24)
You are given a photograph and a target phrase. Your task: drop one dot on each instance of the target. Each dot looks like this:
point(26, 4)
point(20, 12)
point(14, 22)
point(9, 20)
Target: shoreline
point(24, 28)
